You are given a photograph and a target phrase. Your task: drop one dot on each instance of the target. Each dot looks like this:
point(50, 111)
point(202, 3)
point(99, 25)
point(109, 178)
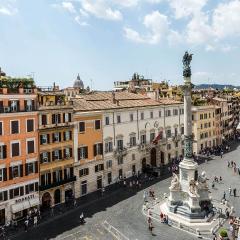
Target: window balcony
point(56, 184)
point(120, 152)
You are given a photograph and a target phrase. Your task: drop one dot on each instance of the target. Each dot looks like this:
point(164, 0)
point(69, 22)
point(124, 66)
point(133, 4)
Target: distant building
point(76, 89)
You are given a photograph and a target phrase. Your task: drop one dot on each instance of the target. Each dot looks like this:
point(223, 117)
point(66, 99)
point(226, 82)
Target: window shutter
point(49, 157)
point(94, 150)
point(49, 178)
point(60, 173)
point(64, 136)
point(70, 135)
point(87, 171)
point(71, 171)
point(53, 119)
point(59, 118)
point(21, 170)
point(60, 154)
point(18, 106)
point(86, 152)
point(4, 174)
point(10, 173)
point(101, 148)
point(21, 191)
point(65, 173)
point(4, 151)
point(48, 138)
point(44, 119)
point(25, 105)
point(36, 167)
point(70, 151)
point(60, 136)
point(26, 169)
point(79, 154)
point(69, 117)
point(54, 177)
point(53, 138)
point(11, 193)
point(41, 139)
point(36, 186)
point(96, 168)
point(27, 189)
point(5, 195)
point(53, 156)
point(33, 105)
point(42, 180)
point(64, 153)
point(64, 117)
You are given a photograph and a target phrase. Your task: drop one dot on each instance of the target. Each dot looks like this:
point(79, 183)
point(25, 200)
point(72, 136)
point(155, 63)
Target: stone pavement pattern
point(126, 216)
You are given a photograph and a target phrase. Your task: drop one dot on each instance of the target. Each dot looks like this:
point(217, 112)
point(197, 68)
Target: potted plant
point(223, 235)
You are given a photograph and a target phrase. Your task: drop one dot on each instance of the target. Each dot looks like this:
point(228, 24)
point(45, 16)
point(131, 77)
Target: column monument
point(189, 195)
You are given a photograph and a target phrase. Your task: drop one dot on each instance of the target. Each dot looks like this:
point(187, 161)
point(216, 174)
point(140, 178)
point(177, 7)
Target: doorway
point(153, 157)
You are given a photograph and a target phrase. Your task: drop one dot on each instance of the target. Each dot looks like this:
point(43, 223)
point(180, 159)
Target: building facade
point(19, 166)
point(55, 148)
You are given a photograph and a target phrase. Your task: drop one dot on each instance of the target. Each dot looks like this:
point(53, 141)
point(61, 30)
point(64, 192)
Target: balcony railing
point(120, 152)
point(56, 184)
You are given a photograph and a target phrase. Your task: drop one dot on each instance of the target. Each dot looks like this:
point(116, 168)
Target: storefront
point(22, 206)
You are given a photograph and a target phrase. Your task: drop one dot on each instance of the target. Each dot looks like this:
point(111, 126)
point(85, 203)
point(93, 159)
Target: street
point(124, 214)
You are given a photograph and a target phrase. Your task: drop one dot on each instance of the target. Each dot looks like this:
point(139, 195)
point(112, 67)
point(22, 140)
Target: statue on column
point(175, 184)
point(187, 58)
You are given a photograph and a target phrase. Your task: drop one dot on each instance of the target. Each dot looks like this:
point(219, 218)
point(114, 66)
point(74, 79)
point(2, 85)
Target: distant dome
point(78, 83)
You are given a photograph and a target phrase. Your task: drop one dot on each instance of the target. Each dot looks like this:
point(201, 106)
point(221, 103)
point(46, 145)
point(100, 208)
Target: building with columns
point(118, 134)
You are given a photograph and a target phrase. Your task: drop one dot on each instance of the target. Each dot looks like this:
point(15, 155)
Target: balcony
point(120, 152)
point(56, 184)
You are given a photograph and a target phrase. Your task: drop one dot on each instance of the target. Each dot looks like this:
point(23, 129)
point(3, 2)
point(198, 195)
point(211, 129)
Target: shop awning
point(25, 205)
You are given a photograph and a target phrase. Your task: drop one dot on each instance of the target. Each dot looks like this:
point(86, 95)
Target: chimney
point(113, 97)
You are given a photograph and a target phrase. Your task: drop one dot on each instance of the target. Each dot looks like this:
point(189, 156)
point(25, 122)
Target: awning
point(25, 205)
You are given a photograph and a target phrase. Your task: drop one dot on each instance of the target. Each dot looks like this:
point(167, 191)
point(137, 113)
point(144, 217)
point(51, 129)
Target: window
point(16, 192)
point(169, 146)
point(181, 111)
point(182, 130)
point(67, 117)
point(109, 176)
point(82, 153)
point(44, 119)
point(97, 149)
point(97, 124)
point(14, 127)
point(56, 137)
point(160, 113)
point(83, 172)
point(99, 167)
point(84, 187)
point(118, 119)
point(152, 136)
point(46, 179)
point(81, 126)
point(1, 128)
point(143, 139)
point(133, 157)
point(56, 118)
point(15, 149)
point(120, 173)
point(168, 113)
point(120, 160)
point(29, 188)
point(44, 139)
point(57, 154)
point(67, 135)
point(142, 115)
point(108, 163)
point(3, 197)
point(30, 168)
point(151, 114)
point(3, 151)
point(45, 157)
point(201, 116)
point(30, 146)
point(132, 141)
point(168, 133)
point(131, 117)
point(30, 125)
point(119, 144)
point(14, 105)
point(175, 112)
point(16, 171)
point(1, 174)
point(106, 120)
point(67, 153)
point(28, 105)
point(176, 144)
point(108, 146)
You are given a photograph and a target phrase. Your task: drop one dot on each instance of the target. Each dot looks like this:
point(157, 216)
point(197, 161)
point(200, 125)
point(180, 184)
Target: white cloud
point(154, 1)
point(68, 6)
point(226, 19)
point(156, 25)
point(174, 38)
point(185, 8)
point(126, 3)
point(100, 9)
point(80, 21)
point(9, 11)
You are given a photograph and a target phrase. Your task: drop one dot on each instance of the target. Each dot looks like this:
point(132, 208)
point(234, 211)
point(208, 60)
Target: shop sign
point(26, 198)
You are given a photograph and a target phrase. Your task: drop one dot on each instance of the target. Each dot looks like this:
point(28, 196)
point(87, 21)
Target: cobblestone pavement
point(126, 216)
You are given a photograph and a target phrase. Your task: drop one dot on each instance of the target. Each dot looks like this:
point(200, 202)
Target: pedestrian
point(221, 154)
point(228, 164)
point(230, 191)
point(220, 179)
point(234, 192)
point(35, 221)
point(82, 221)
point(103, 190)
point(75, 202)
point(227, 213)
point(26, 225)
point(213, 185)
point(145, 196)
point(39, 214)
point(224, 196)
point(161, 217)
point(214, 236)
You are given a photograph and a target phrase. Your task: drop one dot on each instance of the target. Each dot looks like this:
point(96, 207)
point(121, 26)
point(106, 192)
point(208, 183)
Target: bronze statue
point(187, 58)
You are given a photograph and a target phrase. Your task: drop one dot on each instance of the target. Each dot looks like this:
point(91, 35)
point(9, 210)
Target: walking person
point(82, 221)
point(151, 227)
point(26, 225)
point(230, 191)
point(35, 221)
point(234, 192)
point(224, 196)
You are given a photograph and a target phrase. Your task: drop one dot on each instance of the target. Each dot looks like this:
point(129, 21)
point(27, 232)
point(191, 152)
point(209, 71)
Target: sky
point(108, 40)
